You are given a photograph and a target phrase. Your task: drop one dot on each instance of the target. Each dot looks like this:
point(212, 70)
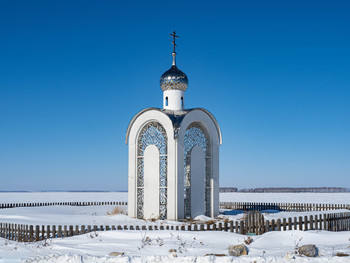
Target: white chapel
point(173, 156)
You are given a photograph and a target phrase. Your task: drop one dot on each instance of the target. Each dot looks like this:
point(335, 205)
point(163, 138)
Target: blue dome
point(174, 79)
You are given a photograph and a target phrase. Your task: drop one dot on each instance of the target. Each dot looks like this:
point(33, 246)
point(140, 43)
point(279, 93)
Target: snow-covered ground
point(190, 246)
point(71, 215)
point(316, 198)
point(39, 197)
point(101, 215)
point(319, 198)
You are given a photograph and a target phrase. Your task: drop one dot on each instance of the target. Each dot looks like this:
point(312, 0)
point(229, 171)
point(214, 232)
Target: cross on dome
point(174, 79)
point(173, 42)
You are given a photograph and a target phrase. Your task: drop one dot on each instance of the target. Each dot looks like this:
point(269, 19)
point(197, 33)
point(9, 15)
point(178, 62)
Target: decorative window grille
point(152, 133)
point(196, 134)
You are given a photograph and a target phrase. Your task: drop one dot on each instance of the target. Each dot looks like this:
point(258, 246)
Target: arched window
point(166, 101)
point(182, 101)
point(152, 133)
point(196, 134)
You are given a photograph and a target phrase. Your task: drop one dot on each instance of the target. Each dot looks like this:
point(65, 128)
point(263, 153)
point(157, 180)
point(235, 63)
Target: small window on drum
point(182, 101)
point(166, 101)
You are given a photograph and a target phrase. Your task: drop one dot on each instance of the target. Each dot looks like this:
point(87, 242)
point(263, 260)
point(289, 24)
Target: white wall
point(197, 181)
point(174, 99)
point(151, 182)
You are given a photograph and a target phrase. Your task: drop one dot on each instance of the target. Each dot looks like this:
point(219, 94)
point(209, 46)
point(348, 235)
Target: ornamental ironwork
point(152, 133)
point(196, 134)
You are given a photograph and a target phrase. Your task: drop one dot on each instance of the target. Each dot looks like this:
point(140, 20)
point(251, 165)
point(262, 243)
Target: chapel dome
point(174, 79)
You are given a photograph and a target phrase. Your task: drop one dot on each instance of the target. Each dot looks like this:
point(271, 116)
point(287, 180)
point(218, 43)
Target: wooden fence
point(290, 207)
point(30, 233)
point(253, 223)
point(13, 205)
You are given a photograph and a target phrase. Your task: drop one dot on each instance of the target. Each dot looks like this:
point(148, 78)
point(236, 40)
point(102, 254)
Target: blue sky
point(275, 74)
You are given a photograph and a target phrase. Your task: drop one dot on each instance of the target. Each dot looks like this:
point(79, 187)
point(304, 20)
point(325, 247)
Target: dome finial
point(174, 45)
point(174, 79)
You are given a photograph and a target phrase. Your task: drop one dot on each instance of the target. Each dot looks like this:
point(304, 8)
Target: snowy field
point(317, 198)
point(320, 198)
point(190, 246)
point(101, 215)
point(37, 197)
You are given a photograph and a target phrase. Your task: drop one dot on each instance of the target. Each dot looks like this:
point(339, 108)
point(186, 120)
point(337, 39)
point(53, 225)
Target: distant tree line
point(286, 190)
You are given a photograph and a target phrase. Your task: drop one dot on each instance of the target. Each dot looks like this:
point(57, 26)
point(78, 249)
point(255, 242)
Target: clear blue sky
point(275, 74)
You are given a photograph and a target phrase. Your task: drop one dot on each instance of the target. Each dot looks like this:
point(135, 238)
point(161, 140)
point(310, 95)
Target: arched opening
point(152, 171)
point(182, 101)
point(197, 171)
point(166, 101)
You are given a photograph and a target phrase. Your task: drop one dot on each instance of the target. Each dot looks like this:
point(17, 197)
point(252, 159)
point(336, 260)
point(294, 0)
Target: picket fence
point(253, 223)
point(13, 205)
point(288, 207)
point(246, 206)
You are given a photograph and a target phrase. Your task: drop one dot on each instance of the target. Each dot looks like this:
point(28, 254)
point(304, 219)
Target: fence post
point(273, 225)
point(83, 229)
point(300, 223)
point(59, 232)
point(37, 231)
point(236, 227)
point(31, 233)
point(220, 226)
point(311, 222)
point(246, 223)
point(54, 231)
point(25, 232)
point(305, 223)
point(9, 231)
point(316, 223)
point(18, 233)
point(278, 224)
point(289, 223)
point(48, 230)
point(42, 232)
point(71, 233)
point(241, 226)
point(65, 234)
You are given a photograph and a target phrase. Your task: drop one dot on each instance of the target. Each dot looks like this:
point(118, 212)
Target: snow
point(47, 197)
point(191, 246)
point(319, 198)
point(281, 215)
point(309, 198)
